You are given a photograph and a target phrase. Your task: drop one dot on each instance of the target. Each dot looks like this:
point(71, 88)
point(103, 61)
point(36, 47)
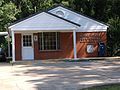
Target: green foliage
point(7, 14)
point(28, 7)
point(105, 87)
point(57, 1)
point(114, 36)
point(115, 9)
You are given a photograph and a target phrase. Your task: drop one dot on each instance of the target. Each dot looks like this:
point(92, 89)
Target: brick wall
point(66, 48)
point(82, 45)
point(18, 48)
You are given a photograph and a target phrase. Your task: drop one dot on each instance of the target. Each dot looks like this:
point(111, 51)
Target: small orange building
point(57, 33)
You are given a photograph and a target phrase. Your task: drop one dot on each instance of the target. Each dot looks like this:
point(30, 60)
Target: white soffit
point(43, 21)
point(87, 24)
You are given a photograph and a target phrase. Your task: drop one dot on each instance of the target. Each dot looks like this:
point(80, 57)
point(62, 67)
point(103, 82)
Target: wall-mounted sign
point(89, 38)
point(35, 38)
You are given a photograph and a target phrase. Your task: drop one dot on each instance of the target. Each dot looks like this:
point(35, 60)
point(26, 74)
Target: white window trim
point(43, 42)
point(56, 41)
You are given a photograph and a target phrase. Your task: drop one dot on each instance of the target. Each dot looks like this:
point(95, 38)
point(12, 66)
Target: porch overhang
point(43, 22)
point(13, 43)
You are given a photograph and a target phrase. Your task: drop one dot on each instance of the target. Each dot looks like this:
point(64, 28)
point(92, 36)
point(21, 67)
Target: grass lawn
point(105, 87)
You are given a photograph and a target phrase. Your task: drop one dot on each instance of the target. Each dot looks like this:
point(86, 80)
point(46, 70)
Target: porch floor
point(67, 60)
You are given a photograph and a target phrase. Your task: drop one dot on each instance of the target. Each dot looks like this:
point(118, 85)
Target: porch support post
point(8, 44)
point(13, 46)
point(74, 44)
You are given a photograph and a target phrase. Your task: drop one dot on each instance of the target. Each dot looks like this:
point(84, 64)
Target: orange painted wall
point(18, 48)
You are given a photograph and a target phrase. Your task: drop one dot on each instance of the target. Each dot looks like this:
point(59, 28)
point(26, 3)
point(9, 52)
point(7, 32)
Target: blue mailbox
point(101, 49)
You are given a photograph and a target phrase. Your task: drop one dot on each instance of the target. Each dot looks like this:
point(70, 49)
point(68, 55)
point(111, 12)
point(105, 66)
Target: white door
point(27, 47)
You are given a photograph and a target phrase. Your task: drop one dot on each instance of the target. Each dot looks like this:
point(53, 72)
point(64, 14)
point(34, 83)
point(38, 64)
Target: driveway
point(58, 76)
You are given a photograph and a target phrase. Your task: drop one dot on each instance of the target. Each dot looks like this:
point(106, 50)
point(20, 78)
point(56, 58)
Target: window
point(49, 40)
point(27, 40)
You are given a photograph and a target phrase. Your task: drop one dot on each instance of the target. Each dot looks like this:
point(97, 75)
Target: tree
point(100, 8)
point(114, 36)
point(115, 8)
point(57, 1)
point(8, 12)
point(28, 7)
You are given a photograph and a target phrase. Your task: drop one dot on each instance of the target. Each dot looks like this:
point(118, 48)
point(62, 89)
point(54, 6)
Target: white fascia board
point(42, 29)
point(94, 28)
point(91, 30)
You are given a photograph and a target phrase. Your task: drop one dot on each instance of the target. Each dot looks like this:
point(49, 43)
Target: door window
point(27, 40)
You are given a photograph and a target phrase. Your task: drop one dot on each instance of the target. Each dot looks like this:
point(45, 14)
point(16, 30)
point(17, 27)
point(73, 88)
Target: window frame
point(26, 41)
point(42, 42)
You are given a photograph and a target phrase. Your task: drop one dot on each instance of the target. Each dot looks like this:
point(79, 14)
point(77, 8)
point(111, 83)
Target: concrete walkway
point(58, 76)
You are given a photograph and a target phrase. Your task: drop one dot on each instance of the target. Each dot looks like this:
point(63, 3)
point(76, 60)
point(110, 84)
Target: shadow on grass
point(105, 87)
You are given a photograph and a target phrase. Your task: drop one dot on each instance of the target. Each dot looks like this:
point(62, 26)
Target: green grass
point(105, 87)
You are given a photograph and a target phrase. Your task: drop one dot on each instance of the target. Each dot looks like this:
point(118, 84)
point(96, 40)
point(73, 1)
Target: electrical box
point(90, 48)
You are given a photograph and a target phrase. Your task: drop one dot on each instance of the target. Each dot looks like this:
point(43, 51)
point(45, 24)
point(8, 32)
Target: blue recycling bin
point(101, 49)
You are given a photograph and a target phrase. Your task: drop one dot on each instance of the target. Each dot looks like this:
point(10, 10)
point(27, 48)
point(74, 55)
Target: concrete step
point(66, 60)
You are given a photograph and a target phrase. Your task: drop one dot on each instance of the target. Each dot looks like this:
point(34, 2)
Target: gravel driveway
point(58, 76)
